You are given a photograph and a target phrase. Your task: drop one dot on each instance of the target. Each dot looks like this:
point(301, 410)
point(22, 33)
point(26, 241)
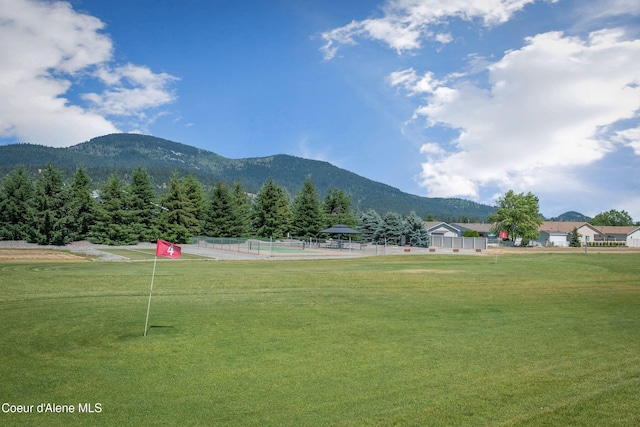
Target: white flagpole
point(153, 275)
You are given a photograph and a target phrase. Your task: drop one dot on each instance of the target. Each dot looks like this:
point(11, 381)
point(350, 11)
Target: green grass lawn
point(534, 340)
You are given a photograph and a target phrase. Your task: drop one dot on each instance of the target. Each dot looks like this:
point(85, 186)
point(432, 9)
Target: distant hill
point(121, 153)
point(571, 216)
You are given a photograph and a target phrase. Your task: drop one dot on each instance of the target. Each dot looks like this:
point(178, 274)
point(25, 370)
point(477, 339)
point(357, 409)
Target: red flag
point(168, 249)
point(503, 235)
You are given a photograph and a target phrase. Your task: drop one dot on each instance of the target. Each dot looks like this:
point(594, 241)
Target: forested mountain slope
point(121, 153)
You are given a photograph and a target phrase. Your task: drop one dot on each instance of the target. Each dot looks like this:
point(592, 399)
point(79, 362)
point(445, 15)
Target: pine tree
point(16, 206)
point(52, 222)
point(144, 207)
point(241, 220)
point(371, 221)
point(575, 238)
point(416, 231)
point(272, 214)
point(391, 229)
point(194, 192)
point(82, 206)
point(220, 214)
point(179, 219)
point(307, 212)
point(337, 209)
point(113, 224)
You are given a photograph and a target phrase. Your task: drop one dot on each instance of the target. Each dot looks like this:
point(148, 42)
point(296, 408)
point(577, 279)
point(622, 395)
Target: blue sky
point(457, 98)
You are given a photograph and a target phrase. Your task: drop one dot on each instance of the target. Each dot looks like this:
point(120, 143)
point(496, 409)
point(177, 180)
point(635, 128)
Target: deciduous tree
point(612, 217)
point(518, 215)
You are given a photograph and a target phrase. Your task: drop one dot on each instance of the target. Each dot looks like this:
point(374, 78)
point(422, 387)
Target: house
point(435, 228)
point(628, 234)
point(483, 228)
point(559, 233)
point(448, 236)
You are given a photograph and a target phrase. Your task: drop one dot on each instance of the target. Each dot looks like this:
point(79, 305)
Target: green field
point(532, 340)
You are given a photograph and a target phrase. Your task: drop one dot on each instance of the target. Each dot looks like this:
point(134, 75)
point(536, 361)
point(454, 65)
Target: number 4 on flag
point(168, 249)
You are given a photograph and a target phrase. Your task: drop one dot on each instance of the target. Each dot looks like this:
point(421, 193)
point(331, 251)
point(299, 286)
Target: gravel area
point(100, 252)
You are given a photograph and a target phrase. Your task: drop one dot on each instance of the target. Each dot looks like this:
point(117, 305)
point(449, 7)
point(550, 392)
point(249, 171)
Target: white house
point(483, 228)
point(559, 233)
point(628, 234)
point(436, 228)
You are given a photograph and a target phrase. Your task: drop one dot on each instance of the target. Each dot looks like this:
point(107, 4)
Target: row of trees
point(50, 210)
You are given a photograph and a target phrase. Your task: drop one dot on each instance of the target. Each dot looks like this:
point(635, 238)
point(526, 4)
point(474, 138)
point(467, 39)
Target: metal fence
point(292, 246)
point(447, 242)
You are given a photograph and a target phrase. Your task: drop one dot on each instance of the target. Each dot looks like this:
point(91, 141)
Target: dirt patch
point(428, 271)
point(36, 255)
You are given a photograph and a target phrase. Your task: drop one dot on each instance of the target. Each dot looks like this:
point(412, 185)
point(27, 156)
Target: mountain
point(571, 216)
point(121, 153)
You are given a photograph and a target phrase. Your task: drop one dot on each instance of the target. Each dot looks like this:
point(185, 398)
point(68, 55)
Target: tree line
point(53, 211)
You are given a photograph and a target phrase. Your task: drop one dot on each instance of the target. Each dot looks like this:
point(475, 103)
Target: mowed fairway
point(532, 340)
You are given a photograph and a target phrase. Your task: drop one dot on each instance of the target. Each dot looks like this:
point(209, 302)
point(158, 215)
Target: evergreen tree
point(144, 207)
point(371, 221)
point(180, 217)
point(416, 231)
point(307, 212)
point(575, 238)
point(194, 192)
point(272, 214)
point(241, 220)
point(52, 222)
point(16, 206)
point(82, 206)
point(219, 221)
point(391, 230)
point(113, 224)
point(337, 209)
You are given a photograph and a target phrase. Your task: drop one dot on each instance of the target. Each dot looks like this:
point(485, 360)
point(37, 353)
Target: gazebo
point(339, 229)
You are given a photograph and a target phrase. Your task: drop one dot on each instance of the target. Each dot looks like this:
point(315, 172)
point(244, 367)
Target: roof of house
point(616, 229)
point(481, 227)
point(563, 226)
point(434, 225)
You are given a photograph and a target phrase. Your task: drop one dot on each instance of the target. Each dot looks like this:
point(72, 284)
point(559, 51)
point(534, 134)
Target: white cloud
point(47, 49)
point(133, 89)
point(406, 23)
point(549, 108)
point(432, 148)
point(604, 8)
point(630, 138)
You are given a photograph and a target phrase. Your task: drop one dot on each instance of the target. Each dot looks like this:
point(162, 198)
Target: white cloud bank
point(405, 24)
point(555, 104)
point(47, 48)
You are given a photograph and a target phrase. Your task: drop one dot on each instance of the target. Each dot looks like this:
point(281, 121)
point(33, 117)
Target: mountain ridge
point(121, 153)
